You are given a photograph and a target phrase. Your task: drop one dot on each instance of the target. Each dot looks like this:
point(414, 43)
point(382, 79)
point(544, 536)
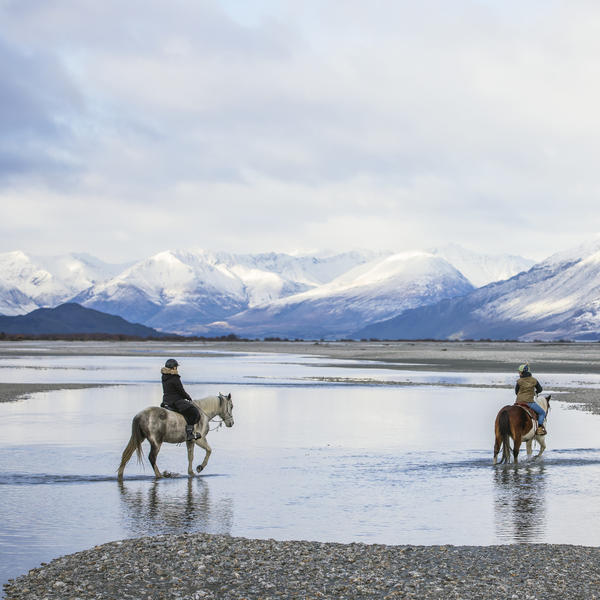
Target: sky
point(128, 128)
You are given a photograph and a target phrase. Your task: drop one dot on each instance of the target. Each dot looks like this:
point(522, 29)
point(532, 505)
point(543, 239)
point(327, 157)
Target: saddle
point(528, 410)
point(163, 405)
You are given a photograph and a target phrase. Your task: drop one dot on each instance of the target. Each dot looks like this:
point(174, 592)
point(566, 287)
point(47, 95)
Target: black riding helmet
point(171, 364)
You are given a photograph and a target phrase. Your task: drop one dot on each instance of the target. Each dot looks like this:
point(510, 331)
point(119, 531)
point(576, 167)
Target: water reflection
point(173, 506)
point(520, 502)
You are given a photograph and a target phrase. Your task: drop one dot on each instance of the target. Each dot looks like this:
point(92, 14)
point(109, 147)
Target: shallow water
point(376, 464)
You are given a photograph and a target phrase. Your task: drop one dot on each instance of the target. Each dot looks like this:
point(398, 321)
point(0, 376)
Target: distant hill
point(72, 318)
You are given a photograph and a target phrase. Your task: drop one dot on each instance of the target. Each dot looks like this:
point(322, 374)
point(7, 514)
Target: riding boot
point(541, 430)
point(189, 433)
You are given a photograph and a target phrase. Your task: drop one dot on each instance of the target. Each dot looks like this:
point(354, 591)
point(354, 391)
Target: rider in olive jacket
point(526, 388)
point(176, 398)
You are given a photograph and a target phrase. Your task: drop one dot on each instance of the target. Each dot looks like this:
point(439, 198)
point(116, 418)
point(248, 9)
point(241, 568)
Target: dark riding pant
point(187, 409)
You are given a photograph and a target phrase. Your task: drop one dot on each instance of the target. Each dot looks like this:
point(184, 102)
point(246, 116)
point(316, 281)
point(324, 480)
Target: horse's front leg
point(203, 444)
point(542, 442)
point(530, 447)
point(190, 451)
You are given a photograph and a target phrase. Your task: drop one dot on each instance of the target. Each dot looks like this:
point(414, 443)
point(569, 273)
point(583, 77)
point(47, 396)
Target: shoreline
point(212, 567)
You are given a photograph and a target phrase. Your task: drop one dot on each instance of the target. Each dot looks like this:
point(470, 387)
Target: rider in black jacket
point(176, 398)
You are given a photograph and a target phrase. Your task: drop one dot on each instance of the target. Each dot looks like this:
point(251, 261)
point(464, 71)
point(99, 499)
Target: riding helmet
point(171, 364)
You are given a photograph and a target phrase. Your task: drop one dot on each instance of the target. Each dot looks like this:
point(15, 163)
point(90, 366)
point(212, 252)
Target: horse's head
point(544, 402)
point(226, 409)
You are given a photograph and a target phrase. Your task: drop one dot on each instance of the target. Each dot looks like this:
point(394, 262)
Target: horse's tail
point(134, 445)
point(504, 431)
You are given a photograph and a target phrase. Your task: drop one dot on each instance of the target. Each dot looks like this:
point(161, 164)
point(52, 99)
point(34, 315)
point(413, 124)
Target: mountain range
point(440, 293)
point(558, 298)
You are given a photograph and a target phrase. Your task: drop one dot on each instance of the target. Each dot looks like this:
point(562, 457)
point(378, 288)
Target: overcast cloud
point(132, 127)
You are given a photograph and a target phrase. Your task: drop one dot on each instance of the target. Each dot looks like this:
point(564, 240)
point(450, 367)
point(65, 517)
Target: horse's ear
point(229, 396)
point(548, 397)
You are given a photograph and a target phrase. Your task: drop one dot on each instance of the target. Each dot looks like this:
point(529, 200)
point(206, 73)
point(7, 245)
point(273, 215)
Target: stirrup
point(541, 430)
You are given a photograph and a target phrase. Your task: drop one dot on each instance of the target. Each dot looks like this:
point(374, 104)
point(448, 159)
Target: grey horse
point(158, 425)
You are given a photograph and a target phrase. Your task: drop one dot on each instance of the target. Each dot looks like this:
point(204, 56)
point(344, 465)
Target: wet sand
point(10, 392)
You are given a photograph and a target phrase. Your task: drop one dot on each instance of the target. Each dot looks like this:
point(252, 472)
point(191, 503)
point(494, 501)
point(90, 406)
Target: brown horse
point(516, 423)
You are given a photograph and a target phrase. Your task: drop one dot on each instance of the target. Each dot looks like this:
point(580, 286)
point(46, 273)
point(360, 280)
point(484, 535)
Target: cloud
point(273, 125)
point(36, 100)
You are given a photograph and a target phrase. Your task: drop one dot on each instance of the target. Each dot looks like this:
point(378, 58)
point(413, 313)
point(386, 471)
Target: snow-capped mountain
point(557, 298)
point(481, 269)
point(168, 290)
point(381, 288)
point(198, 291)
point(29, 282)
point(271, 276)
point(179, 291)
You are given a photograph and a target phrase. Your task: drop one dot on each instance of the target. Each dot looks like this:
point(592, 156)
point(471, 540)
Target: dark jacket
point(526, 387)
point(173, 389)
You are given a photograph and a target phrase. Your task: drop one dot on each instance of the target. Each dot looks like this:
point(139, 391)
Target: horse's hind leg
point(154, 450)
point(516, 446)
point(497, 445)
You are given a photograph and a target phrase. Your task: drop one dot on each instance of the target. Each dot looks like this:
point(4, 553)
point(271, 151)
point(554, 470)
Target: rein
point(218, 426)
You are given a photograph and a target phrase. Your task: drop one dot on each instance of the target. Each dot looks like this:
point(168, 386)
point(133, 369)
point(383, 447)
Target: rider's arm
point(517, 387)
point(538, 388)
point(181, 390)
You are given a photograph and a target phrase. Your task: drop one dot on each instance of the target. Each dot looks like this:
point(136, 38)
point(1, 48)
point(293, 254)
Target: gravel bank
point(200, 566)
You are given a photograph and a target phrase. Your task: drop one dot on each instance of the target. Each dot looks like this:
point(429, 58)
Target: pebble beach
point(200, 566)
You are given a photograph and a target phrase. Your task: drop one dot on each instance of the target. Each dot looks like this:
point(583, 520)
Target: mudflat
point(20, 391)
point(548, 357)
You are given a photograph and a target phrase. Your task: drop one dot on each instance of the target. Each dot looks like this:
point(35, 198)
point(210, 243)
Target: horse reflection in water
point(179, 506)
point(520, 507)
point(158, 425)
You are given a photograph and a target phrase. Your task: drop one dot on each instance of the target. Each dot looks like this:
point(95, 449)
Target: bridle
point(224, 408)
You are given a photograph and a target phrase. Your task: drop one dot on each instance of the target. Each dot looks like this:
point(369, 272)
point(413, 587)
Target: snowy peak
point(587, 250)
point(78, 271)
point(558, 298)
point(268, 277)
point(19, 272)
point(481, 269)
point(376, 290)
point(395, 271)
point(171, 275)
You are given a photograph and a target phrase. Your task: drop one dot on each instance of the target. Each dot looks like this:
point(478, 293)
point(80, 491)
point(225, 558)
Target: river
point(316, 452)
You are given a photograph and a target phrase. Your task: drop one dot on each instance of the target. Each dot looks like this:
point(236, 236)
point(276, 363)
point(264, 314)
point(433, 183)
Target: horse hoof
point(199, 468)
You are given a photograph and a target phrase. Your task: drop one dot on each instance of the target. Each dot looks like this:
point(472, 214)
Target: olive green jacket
point(526, 388)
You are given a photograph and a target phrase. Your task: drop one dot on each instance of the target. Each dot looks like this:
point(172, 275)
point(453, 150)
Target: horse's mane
point(209, 403)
